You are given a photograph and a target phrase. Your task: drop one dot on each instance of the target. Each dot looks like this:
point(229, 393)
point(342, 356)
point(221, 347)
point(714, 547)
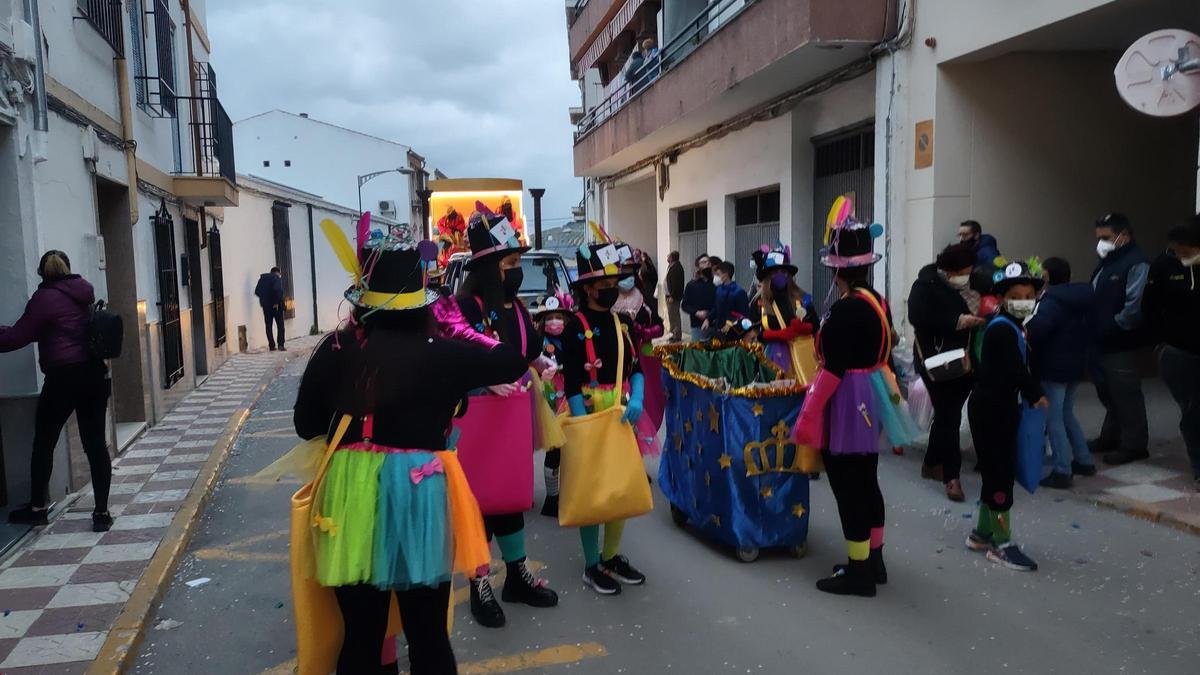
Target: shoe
point(102, 522)
point(550, 506)
point(1125, 457)
point(1098, 447)
point(27, 515)
point(484, 608)
point(875, 562)
point(932, 472)
point(977, 541)
point(271, 348)
point(521, 586)
point(954, 491)
point(854, 579)
point(1057, 481)
point(618, 567)
point(1078, 469)
point(814, 476)
point(599, 581)
point(1011, 557)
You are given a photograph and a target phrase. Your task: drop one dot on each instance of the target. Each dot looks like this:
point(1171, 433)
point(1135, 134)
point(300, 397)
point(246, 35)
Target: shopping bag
point(804, 358)
point(496, 451)
point(547, 431)
point(602, 475)
point(920, 405)
point(1031, 447)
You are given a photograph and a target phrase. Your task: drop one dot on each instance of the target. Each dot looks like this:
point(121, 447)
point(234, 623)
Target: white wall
point(631, 214)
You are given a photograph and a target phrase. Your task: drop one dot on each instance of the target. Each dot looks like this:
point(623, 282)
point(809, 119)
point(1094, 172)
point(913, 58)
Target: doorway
point(193, 278)
point(843, 164)
point(168, 297)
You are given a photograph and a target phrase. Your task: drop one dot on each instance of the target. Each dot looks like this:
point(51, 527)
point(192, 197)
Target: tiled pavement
point(60, 594)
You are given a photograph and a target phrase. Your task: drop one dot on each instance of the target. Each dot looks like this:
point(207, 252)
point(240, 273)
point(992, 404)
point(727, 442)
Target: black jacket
point(675, 281)
point(269, 290)
point(1172, 303)
point(1120, 282)
point(933, 310)
point(699, 295)
point(1060, 332)
point(1003, 371)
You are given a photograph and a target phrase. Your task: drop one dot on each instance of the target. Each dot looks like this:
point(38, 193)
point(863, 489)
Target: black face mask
point(512, 282)
point(607, 297)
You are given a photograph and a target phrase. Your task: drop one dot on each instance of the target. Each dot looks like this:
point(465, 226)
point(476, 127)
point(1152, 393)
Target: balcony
point(212, 178)
point(105, 17)
point(728, 58)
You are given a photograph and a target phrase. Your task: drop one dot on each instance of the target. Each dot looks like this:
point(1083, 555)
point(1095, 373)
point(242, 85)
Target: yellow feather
point(342, 248)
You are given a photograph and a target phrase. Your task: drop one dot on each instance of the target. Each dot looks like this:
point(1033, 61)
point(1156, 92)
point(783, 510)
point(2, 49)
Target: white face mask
point(1021, 309)
point(960, 282)
point(717, 281)
point(1103, 247)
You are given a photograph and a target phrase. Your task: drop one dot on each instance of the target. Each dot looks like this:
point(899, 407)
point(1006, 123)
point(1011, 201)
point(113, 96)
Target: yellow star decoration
point(757, 410)
point(699, 415)
point(725, 461)
point(798, 510)
point(687, 426)
point(767, 493)
point(714, 419)
point(716, 520)
point(678, 441)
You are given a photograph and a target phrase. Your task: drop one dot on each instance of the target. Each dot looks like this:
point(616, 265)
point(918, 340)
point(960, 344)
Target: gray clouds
point(479, 87)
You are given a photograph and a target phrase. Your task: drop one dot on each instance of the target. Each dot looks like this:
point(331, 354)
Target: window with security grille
point(756, 222)
point(137, 51)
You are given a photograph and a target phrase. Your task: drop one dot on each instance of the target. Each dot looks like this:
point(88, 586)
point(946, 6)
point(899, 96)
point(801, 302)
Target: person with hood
point(943, 323)
point(1059, 333)
point(1173, 307)
point(57, 319)
point(1120, 283)
point(986, 252)
point(698, 296)
point(271, 297)
point(728, 301)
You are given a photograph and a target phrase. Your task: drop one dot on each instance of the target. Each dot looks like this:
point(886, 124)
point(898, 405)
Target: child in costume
point(551, 317)
point(393, 512)
point(1003, 378)
point(590, 375)
point(646, 326)
point(850, 403)
point(451, 236)
point(488, 301)
point(785, 313)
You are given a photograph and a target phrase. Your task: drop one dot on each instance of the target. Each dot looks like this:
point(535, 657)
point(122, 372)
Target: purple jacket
point(56, 318)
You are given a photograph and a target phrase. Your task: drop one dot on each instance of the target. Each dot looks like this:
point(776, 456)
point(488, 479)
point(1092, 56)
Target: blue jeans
point(1067, 440)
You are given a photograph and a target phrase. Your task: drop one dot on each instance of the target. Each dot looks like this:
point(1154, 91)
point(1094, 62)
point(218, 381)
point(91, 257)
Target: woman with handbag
point(488, 301)
point(599, 359)
point(391, 509)
point(786, 316)
point(942, 320)
point(1003, 379)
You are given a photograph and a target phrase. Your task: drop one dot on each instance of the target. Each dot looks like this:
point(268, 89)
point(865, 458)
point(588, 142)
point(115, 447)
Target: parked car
point(545, 274)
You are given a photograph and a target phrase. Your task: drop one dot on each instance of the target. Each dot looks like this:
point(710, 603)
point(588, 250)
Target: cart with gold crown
point(729, 467)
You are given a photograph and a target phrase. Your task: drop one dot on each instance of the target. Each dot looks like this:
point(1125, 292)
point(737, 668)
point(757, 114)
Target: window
point(754, 209)
point(105, 17)
point(137, 51)
point(282, 231)
point(287, 162)
point(756, 221)
point(693, 219)
point(164, 38)
point(266, 162)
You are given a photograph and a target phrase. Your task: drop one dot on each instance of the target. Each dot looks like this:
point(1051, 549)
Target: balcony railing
point(212, 129)
point(579, 5)
point(105, 17)
point(717, 14)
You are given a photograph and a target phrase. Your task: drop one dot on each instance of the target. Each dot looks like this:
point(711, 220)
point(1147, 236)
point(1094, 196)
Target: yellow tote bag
point(803, 351)
point(602, 475)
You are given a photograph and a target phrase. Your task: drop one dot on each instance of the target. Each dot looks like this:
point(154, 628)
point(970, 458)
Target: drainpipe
point(312, 257)
point(127, 139)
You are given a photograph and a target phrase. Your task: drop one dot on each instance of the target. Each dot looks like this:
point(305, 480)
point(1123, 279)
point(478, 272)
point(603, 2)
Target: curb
point(128, 630)
point(1145, 512)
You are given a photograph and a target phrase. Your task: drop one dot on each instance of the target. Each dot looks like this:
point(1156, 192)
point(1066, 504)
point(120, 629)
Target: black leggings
point(994, 430)
point(944, 448)
point(553, 459)
point(423, 612)
point(503, 525)
point(82, 389)
point(855, 485)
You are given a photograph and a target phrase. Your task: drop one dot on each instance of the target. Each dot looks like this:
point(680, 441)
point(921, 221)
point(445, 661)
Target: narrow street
point(1114, 594)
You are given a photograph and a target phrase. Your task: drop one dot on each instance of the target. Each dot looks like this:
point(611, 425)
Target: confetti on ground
point(198, 582)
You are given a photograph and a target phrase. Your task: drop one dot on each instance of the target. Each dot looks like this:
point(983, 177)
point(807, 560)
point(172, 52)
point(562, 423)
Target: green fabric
point(512, 546)
point(348, 497)
point(589, 536)
point(983, 524)
point(1001, 528)
point(737, 365)
point(612, 539)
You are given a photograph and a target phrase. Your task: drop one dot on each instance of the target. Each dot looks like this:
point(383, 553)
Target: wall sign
point(924, 145)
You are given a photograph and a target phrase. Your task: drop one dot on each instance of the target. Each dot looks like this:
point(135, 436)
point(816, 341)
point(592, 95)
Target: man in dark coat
point(674, 284)
point(986, 252)
point(270, 296)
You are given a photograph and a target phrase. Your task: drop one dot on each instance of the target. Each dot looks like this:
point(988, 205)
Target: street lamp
point(367, 177)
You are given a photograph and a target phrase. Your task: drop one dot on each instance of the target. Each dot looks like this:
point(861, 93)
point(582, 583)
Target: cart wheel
point(798, 551)
point(678, 516)
point(747, 555)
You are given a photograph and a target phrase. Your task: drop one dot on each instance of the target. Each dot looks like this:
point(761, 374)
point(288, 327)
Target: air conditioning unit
point(387, 206)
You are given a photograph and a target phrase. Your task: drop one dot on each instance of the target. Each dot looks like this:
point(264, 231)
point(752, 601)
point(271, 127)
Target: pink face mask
point(555, 326)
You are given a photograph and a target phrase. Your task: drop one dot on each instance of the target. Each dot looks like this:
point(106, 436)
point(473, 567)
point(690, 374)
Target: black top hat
point(851, 246)
point(491, 238)
point(597, 261)
point(778, 259)
point(1012, 274)
point(394, 273)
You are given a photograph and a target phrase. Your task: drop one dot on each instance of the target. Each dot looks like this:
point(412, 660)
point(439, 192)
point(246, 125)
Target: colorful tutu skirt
point(866, 407)
point(604, 397)
point(395, 519)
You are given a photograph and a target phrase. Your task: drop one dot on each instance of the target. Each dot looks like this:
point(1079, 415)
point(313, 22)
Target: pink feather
point(482, 208)
point(364, 230)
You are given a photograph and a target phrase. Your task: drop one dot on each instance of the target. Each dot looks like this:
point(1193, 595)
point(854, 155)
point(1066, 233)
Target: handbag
point(602, 475)
point(947, 365)
point(1031, 447)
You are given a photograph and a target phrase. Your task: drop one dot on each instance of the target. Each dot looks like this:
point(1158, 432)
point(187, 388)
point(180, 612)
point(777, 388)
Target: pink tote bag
point(496, 451)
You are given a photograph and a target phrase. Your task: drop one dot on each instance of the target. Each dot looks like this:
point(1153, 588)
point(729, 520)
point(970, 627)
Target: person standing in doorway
point(699, 295)
point(1120, 283)
point(270, 296)
point(674, 284)
point(57, 319)
point(986, 251)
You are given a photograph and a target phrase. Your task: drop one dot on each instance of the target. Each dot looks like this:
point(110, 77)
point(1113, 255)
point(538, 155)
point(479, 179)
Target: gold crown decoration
point(759, 459)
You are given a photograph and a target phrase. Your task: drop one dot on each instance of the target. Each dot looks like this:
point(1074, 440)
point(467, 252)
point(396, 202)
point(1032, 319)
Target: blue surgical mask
point(627, 284)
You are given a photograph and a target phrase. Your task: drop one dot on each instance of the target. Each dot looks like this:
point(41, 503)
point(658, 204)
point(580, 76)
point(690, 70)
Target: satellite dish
point(1160, 73)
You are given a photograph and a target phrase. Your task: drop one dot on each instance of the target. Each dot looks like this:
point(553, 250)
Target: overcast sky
point(481, 88)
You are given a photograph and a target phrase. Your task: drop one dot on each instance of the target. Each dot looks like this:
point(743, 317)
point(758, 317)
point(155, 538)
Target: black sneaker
point(1125, 457)
point(1011, 557)
point(521, 586)
point(599, 581)
point(1078, 469)
point(27, 515)
point(484, 608)
point(102, 522)
point(1057, 481)
point(874, 563)
point(977, 541)
point(853, 579)
point(618, 567)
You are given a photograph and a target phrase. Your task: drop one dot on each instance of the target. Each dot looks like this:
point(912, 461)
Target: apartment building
point(114, 148)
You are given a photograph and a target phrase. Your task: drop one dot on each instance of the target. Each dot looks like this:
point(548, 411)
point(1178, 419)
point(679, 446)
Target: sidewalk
point(65, 590)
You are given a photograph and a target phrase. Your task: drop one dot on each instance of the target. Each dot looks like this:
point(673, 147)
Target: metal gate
point(283, 254)
point(217, 285)
point(844, 164)
point(756, 222)
point(168, 297)
point(693, 236)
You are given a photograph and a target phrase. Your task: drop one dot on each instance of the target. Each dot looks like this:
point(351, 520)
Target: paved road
point(1114, 595)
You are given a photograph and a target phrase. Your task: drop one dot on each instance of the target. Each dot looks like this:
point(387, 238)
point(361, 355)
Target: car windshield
point(542, 276)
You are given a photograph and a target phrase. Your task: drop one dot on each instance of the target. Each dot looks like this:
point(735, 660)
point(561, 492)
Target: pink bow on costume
point(426, 470)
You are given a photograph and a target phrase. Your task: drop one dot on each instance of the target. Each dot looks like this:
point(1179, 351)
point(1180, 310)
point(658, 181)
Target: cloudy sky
point(479, 87)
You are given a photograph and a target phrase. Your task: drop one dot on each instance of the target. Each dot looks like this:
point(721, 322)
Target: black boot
point(855, 579)
point(521, 586)
point(484, 607)
point(550, 506)
point(874, 563)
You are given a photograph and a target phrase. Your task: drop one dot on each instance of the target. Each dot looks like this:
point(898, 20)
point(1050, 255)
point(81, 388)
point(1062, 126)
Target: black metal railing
point(105, 17)
point(164, 38)
point(212, 129)
point(578, 10)
point(716, 15)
